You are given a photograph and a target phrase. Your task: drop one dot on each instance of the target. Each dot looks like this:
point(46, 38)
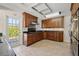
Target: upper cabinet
point(28, 19)
point(74, 8)
point(53, 22)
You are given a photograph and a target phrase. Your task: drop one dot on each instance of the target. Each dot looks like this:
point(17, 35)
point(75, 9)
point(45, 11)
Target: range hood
point(34, 23)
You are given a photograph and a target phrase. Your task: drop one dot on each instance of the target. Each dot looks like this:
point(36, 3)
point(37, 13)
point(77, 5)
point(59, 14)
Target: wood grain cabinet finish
point(59, 36)
point(53, 23)
point(28, 18)
point(54, 36)
point(31, 38)
point(34, 37)
point(51, 36)
point(44, 35)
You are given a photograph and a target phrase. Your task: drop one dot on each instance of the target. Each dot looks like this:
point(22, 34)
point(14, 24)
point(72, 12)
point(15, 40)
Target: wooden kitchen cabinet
point(40, 36)
point(59, 36)
point(44, 35)
point(74, 8)
point(53, 22)
point(30, 39)
point(28, 18)
point(34, 37)
point(55, 36)
point(51, 36)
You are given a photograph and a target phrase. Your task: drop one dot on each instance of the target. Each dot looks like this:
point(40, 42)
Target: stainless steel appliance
point(32, 27)
point(75, 35)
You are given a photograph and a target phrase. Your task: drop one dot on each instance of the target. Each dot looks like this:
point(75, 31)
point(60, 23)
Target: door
point(13, 31)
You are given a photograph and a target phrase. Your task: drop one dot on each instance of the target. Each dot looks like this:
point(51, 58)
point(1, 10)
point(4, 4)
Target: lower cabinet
point(30, 38)
point(59, 36)
point(51, 36)
point(54, 36)
point(44, 35)
point(34, 37)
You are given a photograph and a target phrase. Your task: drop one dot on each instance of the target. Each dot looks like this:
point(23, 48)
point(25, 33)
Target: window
point(13, 27)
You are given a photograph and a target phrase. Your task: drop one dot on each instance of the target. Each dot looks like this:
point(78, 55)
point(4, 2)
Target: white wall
point(67, 22)
point(38, 27)
point(3, 21)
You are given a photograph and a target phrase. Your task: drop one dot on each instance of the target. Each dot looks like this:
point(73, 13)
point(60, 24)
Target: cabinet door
point(55, 36)
point(60, 36)
point(44, 35)
point(34, 19)
point(40, 36)
point(48, 23)
point(53, 23)
point(30, 39)
point(50, 35)
point(33, 37)
point(24, 20)
point(44, 24)
point(27, 19)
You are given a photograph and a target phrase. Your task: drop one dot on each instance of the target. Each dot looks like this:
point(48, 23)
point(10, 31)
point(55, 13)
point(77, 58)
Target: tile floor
point(44, 48)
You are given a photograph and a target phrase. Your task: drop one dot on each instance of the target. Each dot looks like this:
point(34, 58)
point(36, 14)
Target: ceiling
point(27, 7)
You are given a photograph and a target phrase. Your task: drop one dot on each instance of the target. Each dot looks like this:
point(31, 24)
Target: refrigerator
point(75, 34)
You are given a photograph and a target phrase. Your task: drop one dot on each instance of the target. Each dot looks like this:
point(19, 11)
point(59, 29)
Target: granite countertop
point(45, 30)
point(37, 31)
point(29, 32)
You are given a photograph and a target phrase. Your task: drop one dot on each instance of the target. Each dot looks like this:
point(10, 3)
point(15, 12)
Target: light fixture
point(42, 8)
point(53, 14)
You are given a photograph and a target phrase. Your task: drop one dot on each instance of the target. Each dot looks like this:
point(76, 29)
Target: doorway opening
point(13, 31)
